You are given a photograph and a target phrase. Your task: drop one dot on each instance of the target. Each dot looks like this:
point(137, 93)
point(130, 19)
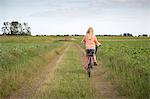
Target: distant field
point(126, 59)
point(122, 38)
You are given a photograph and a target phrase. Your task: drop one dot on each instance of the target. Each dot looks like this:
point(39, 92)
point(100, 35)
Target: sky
point(75, 16)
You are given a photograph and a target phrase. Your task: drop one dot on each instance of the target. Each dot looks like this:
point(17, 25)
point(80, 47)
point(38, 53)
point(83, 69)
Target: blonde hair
point(89, 34)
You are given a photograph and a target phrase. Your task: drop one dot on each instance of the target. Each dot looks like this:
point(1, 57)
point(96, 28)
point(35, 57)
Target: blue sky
point(75, 16)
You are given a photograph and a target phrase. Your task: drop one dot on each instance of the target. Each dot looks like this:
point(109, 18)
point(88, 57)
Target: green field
point(23, 59)
point(128, 59)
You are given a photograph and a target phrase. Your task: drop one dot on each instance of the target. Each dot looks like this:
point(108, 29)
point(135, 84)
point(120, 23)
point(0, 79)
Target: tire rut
point(26, 92)
point(104, 88)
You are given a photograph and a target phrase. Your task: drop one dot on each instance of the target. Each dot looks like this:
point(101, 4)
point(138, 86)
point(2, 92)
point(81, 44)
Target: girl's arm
point(97, 43)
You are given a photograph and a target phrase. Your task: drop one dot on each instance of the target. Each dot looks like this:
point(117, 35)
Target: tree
point(127, 34)
point(16, 28)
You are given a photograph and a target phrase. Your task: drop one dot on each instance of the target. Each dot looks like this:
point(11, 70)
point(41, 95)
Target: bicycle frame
point(90, 64)
point(90, 60)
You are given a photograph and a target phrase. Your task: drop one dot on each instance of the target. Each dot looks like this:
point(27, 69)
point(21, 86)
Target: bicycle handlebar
point(96, 47)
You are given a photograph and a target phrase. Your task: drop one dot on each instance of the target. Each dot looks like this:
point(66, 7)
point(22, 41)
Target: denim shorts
point(90, 52)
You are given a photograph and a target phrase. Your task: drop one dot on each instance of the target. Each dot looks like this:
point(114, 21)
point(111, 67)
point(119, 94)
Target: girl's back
point(89, 41)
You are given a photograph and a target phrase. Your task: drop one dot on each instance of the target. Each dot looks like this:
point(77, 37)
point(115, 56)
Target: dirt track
point(103, 87)
point(28, 91)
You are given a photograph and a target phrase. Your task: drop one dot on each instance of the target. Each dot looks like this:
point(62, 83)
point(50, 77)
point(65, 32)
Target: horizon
point(53, 17)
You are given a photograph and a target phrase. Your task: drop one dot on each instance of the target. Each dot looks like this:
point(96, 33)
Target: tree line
point(16, 28)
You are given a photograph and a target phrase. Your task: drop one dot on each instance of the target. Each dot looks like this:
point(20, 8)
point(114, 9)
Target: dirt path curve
point(103, 87)
point(26, 92)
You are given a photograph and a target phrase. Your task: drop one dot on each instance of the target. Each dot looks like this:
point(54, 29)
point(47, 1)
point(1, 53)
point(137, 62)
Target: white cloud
point(55, 16)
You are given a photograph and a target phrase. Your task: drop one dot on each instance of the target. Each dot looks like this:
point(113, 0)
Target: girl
point(90, 41)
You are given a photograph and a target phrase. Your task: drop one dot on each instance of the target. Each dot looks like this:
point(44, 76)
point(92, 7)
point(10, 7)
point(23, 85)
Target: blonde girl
point(90, 41)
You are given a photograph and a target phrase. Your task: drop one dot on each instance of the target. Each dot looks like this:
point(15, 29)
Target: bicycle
point(90, 55)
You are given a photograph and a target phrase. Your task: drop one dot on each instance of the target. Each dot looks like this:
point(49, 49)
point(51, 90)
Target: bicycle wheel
point(89, 72)
point(89, 67)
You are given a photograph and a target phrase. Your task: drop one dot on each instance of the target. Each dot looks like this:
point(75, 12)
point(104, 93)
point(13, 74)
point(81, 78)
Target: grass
point(68, 81)
point(23, 57)
point(129, 63)
point(125, 58)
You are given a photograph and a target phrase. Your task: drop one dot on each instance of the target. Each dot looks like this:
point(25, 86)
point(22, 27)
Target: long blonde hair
point(89, 34)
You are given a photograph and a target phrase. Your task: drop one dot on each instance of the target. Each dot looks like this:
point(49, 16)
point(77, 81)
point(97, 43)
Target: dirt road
point(76, 81)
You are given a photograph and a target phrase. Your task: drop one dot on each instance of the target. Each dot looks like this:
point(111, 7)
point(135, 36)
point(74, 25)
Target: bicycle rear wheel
point(89, 72)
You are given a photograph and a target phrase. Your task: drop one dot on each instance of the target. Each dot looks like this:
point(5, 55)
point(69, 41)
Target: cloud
point(78, 13)
point(120, 3)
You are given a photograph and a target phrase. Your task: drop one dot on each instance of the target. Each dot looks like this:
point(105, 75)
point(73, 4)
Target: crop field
point(21, 57)
point(50, 67)
point(129, 61)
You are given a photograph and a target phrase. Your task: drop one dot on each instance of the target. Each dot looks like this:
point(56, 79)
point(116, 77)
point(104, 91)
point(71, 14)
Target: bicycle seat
point(90, 52)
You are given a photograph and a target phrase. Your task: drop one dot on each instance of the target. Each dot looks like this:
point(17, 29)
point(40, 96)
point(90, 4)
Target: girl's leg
point(95, 61)
point(95, 58)
point(86, 62)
